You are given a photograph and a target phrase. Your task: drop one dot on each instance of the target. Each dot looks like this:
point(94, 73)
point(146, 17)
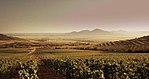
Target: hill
point(5, 37)
point(134, 45)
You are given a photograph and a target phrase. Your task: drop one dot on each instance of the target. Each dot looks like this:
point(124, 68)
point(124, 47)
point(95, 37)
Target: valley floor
point(61, 53)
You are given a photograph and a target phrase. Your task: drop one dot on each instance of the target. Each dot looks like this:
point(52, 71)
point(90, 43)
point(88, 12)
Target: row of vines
point(77, 68)
point(18, 68)
point(135, 45)
point(101, 68)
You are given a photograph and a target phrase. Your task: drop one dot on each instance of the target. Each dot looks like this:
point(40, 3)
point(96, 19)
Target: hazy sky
point(70, 15)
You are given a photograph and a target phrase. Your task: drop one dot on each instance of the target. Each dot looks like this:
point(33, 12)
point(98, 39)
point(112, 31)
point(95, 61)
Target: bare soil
point(48, 73)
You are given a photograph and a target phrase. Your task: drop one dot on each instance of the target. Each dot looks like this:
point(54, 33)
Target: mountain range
point(86, 32)
point(96, 34)
point(92, 32)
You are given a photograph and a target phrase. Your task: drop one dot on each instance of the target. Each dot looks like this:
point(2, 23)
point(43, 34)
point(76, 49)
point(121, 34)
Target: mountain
point(5, 37)
point(93, 32)
point(99, 31)
point(102, 35)
point(134, 45)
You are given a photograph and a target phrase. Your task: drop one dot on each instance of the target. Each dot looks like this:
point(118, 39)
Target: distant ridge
point(138, 45)
point(92, 32)
point(5, 37)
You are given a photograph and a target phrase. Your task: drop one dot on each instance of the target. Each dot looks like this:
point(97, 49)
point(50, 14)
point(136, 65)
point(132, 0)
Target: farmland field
point(56, 53)
point(71, 59)
point(45, 63)
point(101, 65)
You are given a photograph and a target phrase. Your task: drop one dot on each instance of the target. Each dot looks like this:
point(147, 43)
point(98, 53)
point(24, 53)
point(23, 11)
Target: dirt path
point(48, 73)
point(32, 51)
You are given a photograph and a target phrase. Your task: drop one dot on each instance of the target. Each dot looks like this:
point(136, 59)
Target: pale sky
point(53, 16)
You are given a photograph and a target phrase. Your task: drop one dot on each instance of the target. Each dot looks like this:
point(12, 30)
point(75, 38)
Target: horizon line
point(77, 31)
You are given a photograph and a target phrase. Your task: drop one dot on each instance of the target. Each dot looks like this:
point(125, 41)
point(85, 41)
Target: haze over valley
point(94, 35)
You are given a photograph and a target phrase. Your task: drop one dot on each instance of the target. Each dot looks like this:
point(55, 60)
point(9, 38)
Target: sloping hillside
point(134, 45)
point(5, 37)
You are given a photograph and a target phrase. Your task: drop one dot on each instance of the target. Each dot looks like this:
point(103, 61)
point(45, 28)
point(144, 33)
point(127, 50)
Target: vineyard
point(139, 45)
point(101, 68)
point(18, 68)
point(75, 60)
point(75, 68)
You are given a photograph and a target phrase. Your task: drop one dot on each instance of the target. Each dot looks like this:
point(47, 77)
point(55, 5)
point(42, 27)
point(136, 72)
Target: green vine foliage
point(101, 68)
point(28, 69)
